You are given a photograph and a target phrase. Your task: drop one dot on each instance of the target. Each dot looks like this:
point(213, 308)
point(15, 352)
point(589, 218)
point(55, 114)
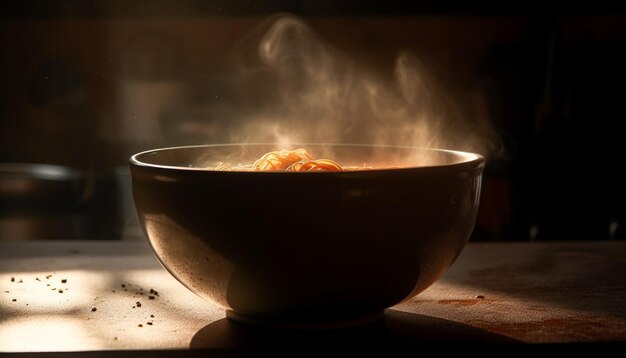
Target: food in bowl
point(299, 248)
point(296, 160)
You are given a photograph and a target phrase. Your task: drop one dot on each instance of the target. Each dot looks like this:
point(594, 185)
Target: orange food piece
point(280, 159)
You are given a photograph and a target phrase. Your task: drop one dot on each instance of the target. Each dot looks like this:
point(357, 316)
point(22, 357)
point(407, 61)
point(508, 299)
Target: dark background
point(85, 84)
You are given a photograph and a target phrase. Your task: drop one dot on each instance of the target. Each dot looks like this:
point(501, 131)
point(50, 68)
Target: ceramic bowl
point(283, 248)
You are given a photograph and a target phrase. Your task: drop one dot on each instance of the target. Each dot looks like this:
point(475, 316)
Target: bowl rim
point(468, 158)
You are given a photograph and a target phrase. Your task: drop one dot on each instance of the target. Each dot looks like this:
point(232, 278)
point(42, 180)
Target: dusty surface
point(535, 292)
point(77, 296)
point(115, 278)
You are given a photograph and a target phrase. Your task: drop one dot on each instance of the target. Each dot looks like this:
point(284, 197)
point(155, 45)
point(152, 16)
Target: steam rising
point(306, 91)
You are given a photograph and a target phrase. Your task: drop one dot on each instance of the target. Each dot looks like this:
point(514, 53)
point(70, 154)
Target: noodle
point(314, 166)
point(297, 160)
point(281, 160)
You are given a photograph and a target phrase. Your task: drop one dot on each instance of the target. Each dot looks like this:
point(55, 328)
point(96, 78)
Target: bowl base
point(338, 322)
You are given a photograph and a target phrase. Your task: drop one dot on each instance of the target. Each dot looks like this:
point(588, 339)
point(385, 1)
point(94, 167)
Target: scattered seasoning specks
point(64, 280)
point(20, 281)
point(481, 297)
point(123, 285)
point(37, 278)
point(12, 279)
point(140, 325)
point(7, 291)
point(154, 292)
point(152, 316)
point(151, 297)
point(60, 291)
point(94, 309)
point(150, 323)
point(14, 300)
point(138, 304)
point(48, 277)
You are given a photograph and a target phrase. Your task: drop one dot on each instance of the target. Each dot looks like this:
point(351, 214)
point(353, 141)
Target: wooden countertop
point(100, 296)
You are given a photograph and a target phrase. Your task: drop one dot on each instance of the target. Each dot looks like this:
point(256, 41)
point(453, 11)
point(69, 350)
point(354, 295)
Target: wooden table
point(100, 296)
